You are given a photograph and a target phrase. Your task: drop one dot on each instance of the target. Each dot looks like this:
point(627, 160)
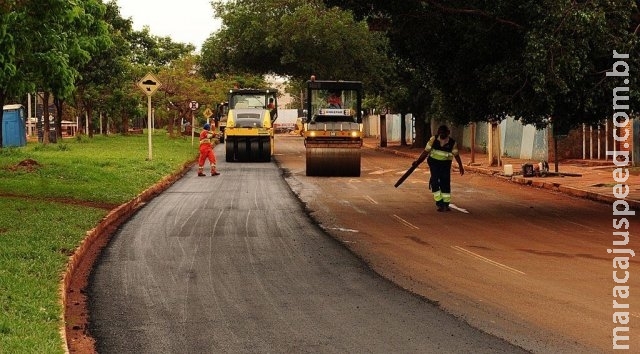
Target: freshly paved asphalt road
point(232, 264)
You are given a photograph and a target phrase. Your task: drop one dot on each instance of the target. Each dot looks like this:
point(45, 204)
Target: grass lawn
point(49, 197)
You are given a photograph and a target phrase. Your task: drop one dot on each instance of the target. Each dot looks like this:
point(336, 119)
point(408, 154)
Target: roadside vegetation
point(50, 196)
point(457, 61)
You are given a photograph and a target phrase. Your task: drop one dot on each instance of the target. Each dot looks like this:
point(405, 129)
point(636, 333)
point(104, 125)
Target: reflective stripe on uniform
point(437, 196)
point(429, 144)
point(446, 197)
point(441, 155)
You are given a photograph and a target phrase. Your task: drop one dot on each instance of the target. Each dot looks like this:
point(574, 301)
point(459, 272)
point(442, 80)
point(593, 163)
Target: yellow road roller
point(248, 135)
point(333, 130)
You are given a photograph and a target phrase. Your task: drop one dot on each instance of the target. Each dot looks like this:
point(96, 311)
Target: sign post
point(194, 106)
point(149, 85)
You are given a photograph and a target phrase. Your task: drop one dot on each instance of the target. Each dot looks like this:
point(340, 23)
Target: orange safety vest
point(205, 137)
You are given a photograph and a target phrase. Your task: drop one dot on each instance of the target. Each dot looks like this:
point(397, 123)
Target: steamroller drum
point(333, 162)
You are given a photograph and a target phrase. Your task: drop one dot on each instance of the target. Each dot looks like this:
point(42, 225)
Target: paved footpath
point(591, 179)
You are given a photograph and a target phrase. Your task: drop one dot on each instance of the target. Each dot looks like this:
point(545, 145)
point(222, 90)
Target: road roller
point(333, 130)
point(248, 135)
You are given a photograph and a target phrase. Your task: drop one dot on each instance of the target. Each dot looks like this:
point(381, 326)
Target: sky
point(186, 21)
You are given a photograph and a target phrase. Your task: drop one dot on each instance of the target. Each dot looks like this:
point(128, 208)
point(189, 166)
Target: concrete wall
point(516, 140)
point(481, 137)
point(521, 141)
point(372, 127)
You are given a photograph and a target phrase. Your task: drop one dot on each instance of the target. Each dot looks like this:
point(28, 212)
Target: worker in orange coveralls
point(206, 151)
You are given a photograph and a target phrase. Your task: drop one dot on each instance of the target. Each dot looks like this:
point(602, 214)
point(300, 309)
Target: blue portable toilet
point(13, 126)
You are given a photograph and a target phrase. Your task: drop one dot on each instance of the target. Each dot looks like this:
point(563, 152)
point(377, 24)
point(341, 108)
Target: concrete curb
point(575, 192)
point(579, 193)
point(76, 276)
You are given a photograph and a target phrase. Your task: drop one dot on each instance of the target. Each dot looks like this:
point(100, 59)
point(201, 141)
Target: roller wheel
point(265, 150)
point(243, 150)
point(254, 151)
point(229, 154)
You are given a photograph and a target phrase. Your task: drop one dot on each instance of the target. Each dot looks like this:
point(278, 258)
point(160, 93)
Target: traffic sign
point(193, 105)
point(149, 84)
point(208, 112)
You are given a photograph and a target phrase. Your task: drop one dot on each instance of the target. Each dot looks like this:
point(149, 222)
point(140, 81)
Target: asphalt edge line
point(72, 286)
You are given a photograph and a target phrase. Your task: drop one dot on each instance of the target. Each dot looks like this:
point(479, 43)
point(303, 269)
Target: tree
point(182, 83)
point(156, 51)
point(54, 47)
point(13, 39)
point(293, 38)
point(531, 59)
point(87, 45)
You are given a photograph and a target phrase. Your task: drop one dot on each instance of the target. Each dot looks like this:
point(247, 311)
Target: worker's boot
point(214, 173)
point(201, 172)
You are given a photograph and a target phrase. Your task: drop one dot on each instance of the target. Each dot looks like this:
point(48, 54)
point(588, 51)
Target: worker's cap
point(206, 126)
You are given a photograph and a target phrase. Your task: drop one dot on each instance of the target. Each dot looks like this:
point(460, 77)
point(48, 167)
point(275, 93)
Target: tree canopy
point(460, 60)
point(293, 38)
point(87, 57)
point(530, 59)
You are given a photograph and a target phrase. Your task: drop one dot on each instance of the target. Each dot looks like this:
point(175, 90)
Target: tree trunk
point(493, 145)
point(58, 103)
point(170, 126)
point(45, 114)
point(125, 122)
point(89, 123)
point(423, 131)
point(403, 129)
point(383, 130)
point(104, 123)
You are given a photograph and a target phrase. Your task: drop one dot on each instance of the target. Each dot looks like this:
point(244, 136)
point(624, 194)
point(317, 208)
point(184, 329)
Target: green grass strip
point(49, 197)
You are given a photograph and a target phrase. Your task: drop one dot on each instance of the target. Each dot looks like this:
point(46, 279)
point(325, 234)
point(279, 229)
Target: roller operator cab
point(248, 134)
point(333, 129)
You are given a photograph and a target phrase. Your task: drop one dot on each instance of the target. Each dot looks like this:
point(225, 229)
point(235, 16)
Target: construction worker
point(206, 151)
point(271, 104)
point(439, 152)
point(272, 109)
